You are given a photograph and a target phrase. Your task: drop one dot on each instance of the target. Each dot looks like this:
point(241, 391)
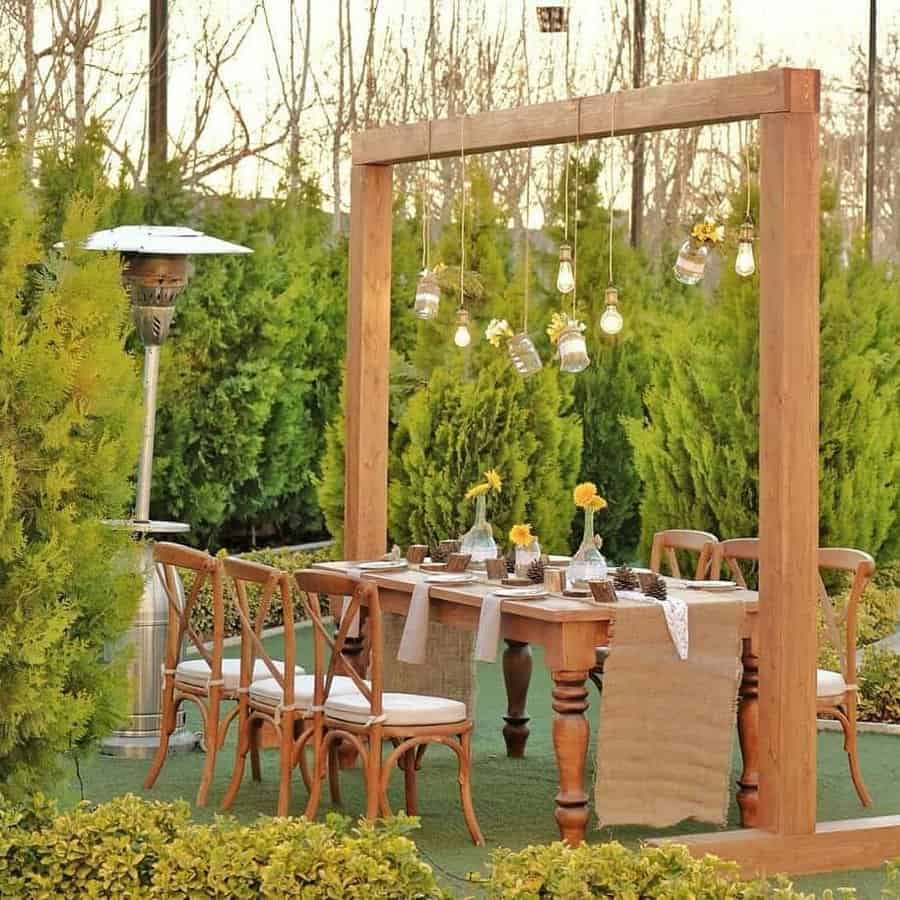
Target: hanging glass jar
point(691, 262)
point(573, 355)
point(588, 563)
point(523, 354)
point(478, 541)
point(525, 556)
point(428, 295)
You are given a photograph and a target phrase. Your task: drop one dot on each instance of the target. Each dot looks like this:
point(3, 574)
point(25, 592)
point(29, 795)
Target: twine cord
point(525, 231)
point(462, 215)
point(575, 224)
point(747, 153)
point(426, 222)
point(612, 134)
point(566, 201)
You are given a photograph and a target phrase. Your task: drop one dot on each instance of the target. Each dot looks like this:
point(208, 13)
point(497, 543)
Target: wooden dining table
point(569, 630)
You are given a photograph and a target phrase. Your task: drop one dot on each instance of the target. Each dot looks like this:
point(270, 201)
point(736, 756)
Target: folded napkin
point(675, 612)
point(488, 628)
point(414, 640)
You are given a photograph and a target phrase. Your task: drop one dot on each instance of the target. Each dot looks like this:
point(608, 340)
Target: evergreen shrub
point(70, 413)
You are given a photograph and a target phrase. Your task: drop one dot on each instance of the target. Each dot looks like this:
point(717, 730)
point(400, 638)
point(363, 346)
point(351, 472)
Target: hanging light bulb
point(428, 295)
point(611, 321)
point(565, 279)
point(462, 337)
point(745, 265)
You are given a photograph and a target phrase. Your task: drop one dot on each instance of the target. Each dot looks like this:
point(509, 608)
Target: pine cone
point(438, 555)
point(625, 579)
point(511, 562)
point(657, 589)
point(536, 571)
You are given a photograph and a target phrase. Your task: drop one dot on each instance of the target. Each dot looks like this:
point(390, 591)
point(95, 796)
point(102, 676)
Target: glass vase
point(573, 356)
point(588, 563)
point(524, 355)
point(428, 295)
point(478, 541)
point(525, 556)
point(691, 262)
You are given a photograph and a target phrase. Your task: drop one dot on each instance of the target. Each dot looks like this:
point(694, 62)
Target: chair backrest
point(733, 552)
point(667, 543)
point(862, 567)
point(197, 569)
point(327, 649)
point(239, 573)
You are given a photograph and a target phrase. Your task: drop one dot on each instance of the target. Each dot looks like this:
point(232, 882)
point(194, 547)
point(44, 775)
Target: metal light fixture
point(611, 321)
point(462, 337)
point(565, 278)
point(155, 272)
point(744, 264)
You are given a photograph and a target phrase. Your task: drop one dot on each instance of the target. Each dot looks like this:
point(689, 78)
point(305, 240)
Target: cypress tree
point(70, 412)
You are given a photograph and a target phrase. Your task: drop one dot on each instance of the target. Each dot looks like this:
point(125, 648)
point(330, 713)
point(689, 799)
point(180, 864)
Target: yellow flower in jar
point(521, 535)
point(597, 503)
point(477, 490)
point(584, 494)
point(495, 483)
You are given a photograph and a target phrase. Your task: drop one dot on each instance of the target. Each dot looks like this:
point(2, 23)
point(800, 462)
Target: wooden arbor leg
point(748, 735)
point(517, 665)
point(570, 741)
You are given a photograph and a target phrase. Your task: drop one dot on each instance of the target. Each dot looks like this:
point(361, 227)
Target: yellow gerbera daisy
point(521, 535)
point(584, 493)
point(597, 503)
point(495, 483)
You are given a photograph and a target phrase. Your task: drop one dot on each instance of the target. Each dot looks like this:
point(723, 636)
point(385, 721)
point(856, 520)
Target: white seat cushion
point(196, 672)
point(829, 684)
point(399, 709)
point(268, 690)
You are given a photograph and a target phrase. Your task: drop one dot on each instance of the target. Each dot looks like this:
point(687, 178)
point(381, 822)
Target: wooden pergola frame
point(786, 102)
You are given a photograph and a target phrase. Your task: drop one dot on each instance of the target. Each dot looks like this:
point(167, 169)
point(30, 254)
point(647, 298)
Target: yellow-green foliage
point(610, 870)
point(69, 426)
point(132, 848)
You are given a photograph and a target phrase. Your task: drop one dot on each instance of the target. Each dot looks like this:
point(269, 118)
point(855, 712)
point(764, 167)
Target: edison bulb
point(611, 321)
point(565, 279)
point(462, 337)
point(745, 265)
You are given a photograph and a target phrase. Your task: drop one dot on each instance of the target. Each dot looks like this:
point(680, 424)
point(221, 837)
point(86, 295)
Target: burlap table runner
point(666, 731)
point(449, 669)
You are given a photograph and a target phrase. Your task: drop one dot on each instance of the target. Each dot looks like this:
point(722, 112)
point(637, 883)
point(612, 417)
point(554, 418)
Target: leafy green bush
point(287, 560)
point(613, 871)
point(133, 848)
point(69, 431)
point(879, 685)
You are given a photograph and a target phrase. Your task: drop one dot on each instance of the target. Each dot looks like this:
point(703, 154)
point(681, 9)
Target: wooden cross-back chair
point(369, 716)
point(835, 691)
point(200, 680)
point(666, 545)
point(271, 695)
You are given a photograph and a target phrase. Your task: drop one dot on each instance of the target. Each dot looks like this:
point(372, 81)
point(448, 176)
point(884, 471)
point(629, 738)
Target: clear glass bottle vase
point(478, 541)
point(525, 556)
point(691, 262)
point(588, 563)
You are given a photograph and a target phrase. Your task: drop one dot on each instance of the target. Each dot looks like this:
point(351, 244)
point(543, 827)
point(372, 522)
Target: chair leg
point(334, 771)
point(409, 779)
point(373, 773)
point(169, 712)
point(285, 760)
point(245, 724)
point(848, 723)
point(318, 773)
point(212, 746)
point(465, 789)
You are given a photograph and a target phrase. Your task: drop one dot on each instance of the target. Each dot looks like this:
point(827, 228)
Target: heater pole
point(145, 463)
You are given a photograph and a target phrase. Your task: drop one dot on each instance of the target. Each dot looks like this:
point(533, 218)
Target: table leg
point(748, 735)
point(517, 664)
point(570, 741)
point(355, 658)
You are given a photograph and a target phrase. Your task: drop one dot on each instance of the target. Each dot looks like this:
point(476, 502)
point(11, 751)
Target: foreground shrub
point(133, 848)
point(611, 870)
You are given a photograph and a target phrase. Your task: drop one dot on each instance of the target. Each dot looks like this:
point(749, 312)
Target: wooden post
point(368, 358)
point(788, 469)
point(158, 80)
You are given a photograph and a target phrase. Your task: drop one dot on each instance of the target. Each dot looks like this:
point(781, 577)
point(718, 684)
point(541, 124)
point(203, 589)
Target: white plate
point(635, 569)
point(452, 578)
point(559, 560)
point(383, 566)
point(521, 593)
point(711, 585)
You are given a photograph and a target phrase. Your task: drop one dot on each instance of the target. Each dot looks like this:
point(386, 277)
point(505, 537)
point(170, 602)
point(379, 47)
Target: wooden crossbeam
point(832, 847)
point(716, 100)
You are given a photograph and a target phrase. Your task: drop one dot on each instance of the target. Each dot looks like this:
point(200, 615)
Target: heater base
point(143, 746)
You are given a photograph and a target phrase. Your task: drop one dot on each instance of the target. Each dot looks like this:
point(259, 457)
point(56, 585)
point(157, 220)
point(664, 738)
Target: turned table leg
point(748, 735)
point(570, 741)
point(517, 663)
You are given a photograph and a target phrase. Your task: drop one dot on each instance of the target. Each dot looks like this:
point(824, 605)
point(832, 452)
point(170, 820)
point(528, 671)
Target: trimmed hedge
point(137, 849)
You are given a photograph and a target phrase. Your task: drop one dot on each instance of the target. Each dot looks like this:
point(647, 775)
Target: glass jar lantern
point(428, 295)
point(523, 354)
point(573, 355)
point(478, 541)
point(525, 556)
point(588, 563)
point(691, 262)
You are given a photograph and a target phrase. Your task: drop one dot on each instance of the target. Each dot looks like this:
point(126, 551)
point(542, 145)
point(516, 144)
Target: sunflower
point(521, 535)
point(584, 494)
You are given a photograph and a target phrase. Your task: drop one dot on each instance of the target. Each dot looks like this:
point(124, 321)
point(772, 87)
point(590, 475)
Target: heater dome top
point(158, 240)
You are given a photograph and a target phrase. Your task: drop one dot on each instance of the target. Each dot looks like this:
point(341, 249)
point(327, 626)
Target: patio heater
point(155, 272)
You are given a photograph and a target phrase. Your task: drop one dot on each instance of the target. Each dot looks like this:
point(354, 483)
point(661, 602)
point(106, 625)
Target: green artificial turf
point(513, 797)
